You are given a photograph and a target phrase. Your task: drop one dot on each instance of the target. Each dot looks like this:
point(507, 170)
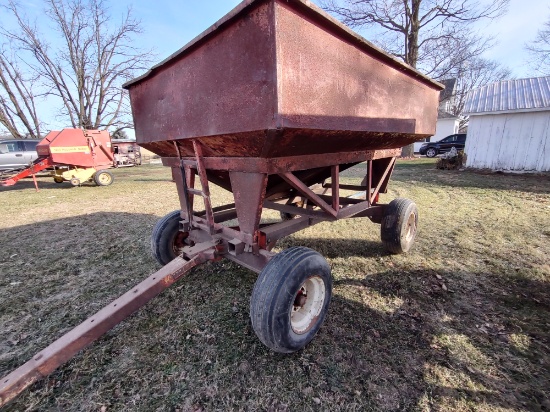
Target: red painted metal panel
point(326, 82)
point(76, 147)
point(279, 78)
point(225, 86)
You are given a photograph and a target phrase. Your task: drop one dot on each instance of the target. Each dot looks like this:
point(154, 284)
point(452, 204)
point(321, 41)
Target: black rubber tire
point(58, 179)
point(431, 152)
point(166, 238)
point(398, 229)
point(103, 178)
point(274, 295)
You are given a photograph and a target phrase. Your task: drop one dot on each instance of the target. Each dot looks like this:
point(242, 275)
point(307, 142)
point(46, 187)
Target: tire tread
point(268, 289)
point(157, 247)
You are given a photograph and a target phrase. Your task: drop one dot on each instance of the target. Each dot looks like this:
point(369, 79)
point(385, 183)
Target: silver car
point(17, 154)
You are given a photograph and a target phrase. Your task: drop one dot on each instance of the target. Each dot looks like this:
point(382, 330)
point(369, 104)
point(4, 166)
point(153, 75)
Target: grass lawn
point(462, 322)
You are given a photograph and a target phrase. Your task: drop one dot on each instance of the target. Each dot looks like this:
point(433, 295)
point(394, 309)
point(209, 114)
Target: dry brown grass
point(460, 323)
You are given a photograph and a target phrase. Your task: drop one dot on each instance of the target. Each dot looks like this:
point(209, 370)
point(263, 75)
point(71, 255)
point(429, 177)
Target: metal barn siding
point(511, 141)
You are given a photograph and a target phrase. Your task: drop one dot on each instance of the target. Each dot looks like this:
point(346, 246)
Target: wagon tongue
point(63, 349)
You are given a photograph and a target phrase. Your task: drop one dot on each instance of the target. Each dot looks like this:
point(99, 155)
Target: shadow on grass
point(43, 183)
point(392, 341)
point(424, 170)
point(335, 248)
point(486, 344)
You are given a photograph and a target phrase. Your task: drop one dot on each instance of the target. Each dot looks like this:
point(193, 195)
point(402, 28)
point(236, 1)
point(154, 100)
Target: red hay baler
point(74, 155)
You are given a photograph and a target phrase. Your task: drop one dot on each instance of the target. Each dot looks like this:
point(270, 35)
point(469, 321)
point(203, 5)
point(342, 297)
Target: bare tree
point(472, 74)
point(95, 56)
point(434, 36)
point(18, 112)
point(539, 49)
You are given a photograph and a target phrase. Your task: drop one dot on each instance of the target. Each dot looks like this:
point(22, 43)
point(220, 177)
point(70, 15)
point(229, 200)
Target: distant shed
point(509, 127)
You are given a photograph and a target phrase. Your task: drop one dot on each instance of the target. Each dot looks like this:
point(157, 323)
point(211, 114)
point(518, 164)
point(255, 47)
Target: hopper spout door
point(249, 192)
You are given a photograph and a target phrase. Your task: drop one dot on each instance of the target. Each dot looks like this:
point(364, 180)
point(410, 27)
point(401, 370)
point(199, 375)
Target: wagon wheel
point(399, 225)
point(75, 182)
point(166, 239)
point(290, 299)
point(103, 178)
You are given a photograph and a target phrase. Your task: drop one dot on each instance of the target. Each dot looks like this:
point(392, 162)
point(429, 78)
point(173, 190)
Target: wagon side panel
point(326, 82)
point(223, 85)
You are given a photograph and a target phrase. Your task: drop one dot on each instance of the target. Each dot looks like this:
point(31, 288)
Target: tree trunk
point(408, 151)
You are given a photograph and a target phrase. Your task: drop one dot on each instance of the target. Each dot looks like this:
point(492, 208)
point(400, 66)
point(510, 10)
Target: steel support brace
point(249, 193)
point(63, 349)
point(204, 184)
point(308, 193)
point(386, 173)
point(335, 181)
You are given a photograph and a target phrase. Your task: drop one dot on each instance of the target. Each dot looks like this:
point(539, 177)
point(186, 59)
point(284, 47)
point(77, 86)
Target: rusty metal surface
point(287, 163)
point(279, 78)
point(228, 85)
point(310, 10)
point(328, 83)
point(249, 193)
point(63, 349)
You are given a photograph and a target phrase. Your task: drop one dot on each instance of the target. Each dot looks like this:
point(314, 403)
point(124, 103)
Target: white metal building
point(509, 127)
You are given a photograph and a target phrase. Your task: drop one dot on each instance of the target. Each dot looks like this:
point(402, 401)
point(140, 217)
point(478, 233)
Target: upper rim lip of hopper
point(308, 8)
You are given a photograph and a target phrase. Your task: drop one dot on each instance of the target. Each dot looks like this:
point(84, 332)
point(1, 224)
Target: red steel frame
point(250, 243)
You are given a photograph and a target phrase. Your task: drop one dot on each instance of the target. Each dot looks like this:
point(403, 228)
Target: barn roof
point(519, 95)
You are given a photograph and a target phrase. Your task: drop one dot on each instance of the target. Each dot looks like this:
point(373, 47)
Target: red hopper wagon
point(274, 98)
point(75, 156)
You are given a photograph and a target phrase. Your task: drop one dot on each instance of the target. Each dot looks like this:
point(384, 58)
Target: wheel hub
point(411, 227)
point(300, 300)
point(307, 305)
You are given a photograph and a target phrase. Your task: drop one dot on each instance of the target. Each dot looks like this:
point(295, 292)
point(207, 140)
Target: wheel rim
point(104, 178)
point(411, 227)
point(179, 242)
point(431, 152)
point(307, 305)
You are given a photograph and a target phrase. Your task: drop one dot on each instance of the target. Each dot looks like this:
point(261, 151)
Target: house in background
point(509, 127)
point(447, 123)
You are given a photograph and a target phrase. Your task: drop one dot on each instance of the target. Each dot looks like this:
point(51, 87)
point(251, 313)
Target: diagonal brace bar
point(308, 193)
point(389, 168)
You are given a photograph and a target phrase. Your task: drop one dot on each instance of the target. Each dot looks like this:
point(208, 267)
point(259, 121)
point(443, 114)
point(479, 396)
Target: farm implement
point(72, 155)
point(273, 100)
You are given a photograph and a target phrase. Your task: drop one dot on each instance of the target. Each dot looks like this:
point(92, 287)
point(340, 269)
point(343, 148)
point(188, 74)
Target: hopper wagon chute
point(73, 155)
point(275, 98)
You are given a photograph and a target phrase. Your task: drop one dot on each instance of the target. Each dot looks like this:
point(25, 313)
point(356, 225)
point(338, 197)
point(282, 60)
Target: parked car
point(432, 149)
point(17, 153)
